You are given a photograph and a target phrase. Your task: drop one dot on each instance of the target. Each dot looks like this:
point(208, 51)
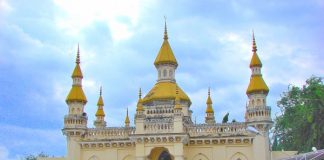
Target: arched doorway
point(160, 153)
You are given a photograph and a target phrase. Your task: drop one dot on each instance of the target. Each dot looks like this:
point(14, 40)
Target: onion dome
point(209, 103)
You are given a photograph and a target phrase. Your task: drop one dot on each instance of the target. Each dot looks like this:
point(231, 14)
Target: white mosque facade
point(164, 129)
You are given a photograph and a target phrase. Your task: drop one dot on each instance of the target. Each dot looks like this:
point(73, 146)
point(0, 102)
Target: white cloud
point(4, 6)
point(4, 153)
point(121, 16)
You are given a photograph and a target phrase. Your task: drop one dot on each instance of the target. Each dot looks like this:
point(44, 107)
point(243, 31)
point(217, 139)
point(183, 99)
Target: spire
point(165, 55)
point(257, 83)
point(255, 61)
point(165, 30)
point(78, 56)
point(77, 70)
point(100, 112)
point(209, 103)
point(76, 93)
point(139, 102)
point(254, 47)
point(127, 119)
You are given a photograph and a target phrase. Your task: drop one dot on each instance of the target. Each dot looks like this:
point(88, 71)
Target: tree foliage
point(301, 125)
point(225, 118)
point(34, 157)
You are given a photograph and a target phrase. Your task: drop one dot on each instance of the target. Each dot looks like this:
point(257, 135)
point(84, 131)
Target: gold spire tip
point(254, 47)
point(78, 55)
point(208, 91)
point(165, 29)
point(100, 91)
point(140, 93)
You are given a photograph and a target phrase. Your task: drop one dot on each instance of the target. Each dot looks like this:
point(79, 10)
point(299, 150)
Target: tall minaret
point(100, 114)
point(75, 122)
point(257, 110)
point(165, 62)
point(258, 114)
point(210, 118)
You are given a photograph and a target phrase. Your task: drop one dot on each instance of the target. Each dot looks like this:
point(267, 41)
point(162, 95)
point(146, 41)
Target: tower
point(75, 122)
point(209, 118)
point(100, 114)
point(258, 114)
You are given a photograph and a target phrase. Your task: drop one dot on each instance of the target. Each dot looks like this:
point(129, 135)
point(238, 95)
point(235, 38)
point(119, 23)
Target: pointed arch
point(93, 158)
point(200, 156)
point(238, 156)
point(158, 153)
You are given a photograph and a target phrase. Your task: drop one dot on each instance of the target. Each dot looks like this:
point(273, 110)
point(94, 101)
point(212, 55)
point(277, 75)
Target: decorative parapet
point(109, 133)
point(217, 130)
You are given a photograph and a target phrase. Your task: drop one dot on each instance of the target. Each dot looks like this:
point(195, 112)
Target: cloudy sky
point(119, 41)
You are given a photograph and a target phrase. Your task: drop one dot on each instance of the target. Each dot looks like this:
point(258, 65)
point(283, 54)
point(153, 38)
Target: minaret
point(258, 114)
point(75, 122)
point(127, 119)
point(100, 114)
point(210, 118)
point(257, 91)
point(139, 117)
point(165, 62)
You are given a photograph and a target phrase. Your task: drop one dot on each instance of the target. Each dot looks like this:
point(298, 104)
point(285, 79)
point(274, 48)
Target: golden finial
point(140, 93)
point(165, 30)
point(100, 91)
point(208, 91)
point(78, 55)
point(254, 47)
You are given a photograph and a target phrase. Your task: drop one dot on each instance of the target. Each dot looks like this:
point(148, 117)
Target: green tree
point(300, 127)
point(225, 118)
point(34, 157)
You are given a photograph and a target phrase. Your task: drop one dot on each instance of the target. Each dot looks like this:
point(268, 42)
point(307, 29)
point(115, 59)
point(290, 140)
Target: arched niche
point(200, 156)
point(93, 158)
point(238, 156)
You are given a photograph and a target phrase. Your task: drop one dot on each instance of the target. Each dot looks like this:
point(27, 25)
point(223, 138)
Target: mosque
point(164, 129)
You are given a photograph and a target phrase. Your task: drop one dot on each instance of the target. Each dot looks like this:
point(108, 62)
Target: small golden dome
point(255, 61)
point(139, 102)
point(209, 103)
point(127, 118)
point(257, 84)
point(100, 112)
point(76, 94)
point(165, 91)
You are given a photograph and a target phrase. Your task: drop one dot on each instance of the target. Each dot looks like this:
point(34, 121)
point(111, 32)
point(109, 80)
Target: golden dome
point(76, 94)
point(165, 55)
point(165, 91)
point(257, 84)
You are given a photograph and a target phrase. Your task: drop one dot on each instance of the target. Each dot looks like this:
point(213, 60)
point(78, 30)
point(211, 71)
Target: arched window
point(164, 73)
point(170, 73)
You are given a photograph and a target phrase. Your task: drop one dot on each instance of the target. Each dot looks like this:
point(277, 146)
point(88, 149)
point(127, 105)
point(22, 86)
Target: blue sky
point(119, 41)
